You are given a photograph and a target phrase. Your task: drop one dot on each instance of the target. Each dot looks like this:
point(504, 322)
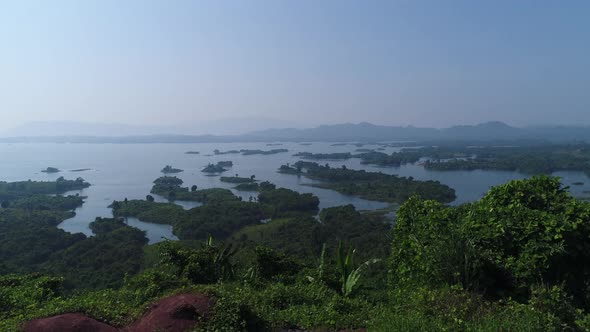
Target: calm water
point(120, 171)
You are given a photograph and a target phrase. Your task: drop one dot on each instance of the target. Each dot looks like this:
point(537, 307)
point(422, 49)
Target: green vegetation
point(282, 201)
point(222, 214)
point(371, 185)
point(51, 170)
point(513, 261)
point(250, 186)
point(225, 163)
point(103, 260)
point(522, 245)
point(30, 240)
point(219, 218)
point(192, 152)
point(46, 203)
point(170, 170)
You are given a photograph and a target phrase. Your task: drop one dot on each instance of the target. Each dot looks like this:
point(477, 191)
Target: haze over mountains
point(117, 133)
point(234, 126)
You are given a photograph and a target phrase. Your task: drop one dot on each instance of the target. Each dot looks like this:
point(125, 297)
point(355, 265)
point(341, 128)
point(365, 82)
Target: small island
point(51, 170)
point(217, 152)
point(213, 168)
point(252, 152)
point(81, 170)
point(370, 185)
point(287, 169)
point(324, 156)
point(192, 152)
point(171, 170)
point(227, 163)
point(255, 186)
point(237, 179)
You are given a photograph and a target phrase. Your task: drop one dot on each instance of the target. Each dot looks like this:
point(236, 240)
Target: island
point(225, 163)
point(252, 152)
point(324, 156)
point(213, 168)
point(255, 186)
point(35, 193)
point(81, 170)
point(192, 152)
point(51, 170)
point(237, 179)
point(383, 159)
point(217, 152)
point(171, 188)
point(375, 186)
point(171, 170)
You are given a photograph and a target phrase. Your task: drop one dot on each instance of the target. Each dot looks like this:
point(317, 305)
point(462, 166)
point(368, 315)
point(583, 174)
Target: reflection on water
point(119, 171)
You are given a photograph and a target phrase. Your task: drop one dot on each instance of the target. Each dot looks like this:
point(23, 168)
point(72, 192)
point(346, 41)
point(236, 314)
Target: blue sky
point(426, 63)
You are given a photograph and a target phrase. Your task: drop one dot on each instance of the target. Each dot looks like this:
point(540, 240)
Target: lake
point(119, 171)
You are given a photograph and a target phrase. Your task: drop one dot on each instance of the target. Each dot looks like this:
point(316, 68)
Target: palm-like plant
point(349, 275)
point(221, 259)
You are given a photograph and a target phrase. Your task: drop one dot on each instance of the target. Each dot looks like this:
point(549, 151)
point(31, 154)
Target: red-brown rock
point(174, 314)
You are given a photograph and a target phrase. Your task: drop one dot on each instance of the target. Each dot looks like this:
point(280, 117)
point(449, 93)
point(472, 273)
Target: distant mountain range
point(489, 131)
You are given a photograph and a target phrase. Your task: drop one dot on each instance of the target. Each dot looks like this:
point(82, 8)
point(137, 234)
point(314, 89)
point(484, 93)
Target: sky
point(300, 62)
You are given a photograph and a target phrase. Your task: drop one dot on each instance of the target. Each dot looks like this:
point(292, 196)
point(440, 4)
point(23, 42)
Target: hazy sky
point(427, 63)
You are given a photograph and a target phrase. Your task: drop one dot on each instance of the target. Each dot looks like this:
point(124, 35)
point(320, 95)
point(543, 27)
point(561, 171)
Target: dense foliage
point(513, 261)
point(525, 239)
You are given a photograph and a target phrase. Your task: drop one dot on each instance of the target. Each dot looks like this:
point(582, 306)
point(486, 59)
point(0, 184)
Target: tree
point(149, 198)
point(252, 177)
point(521, 234)
point(194, 188)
